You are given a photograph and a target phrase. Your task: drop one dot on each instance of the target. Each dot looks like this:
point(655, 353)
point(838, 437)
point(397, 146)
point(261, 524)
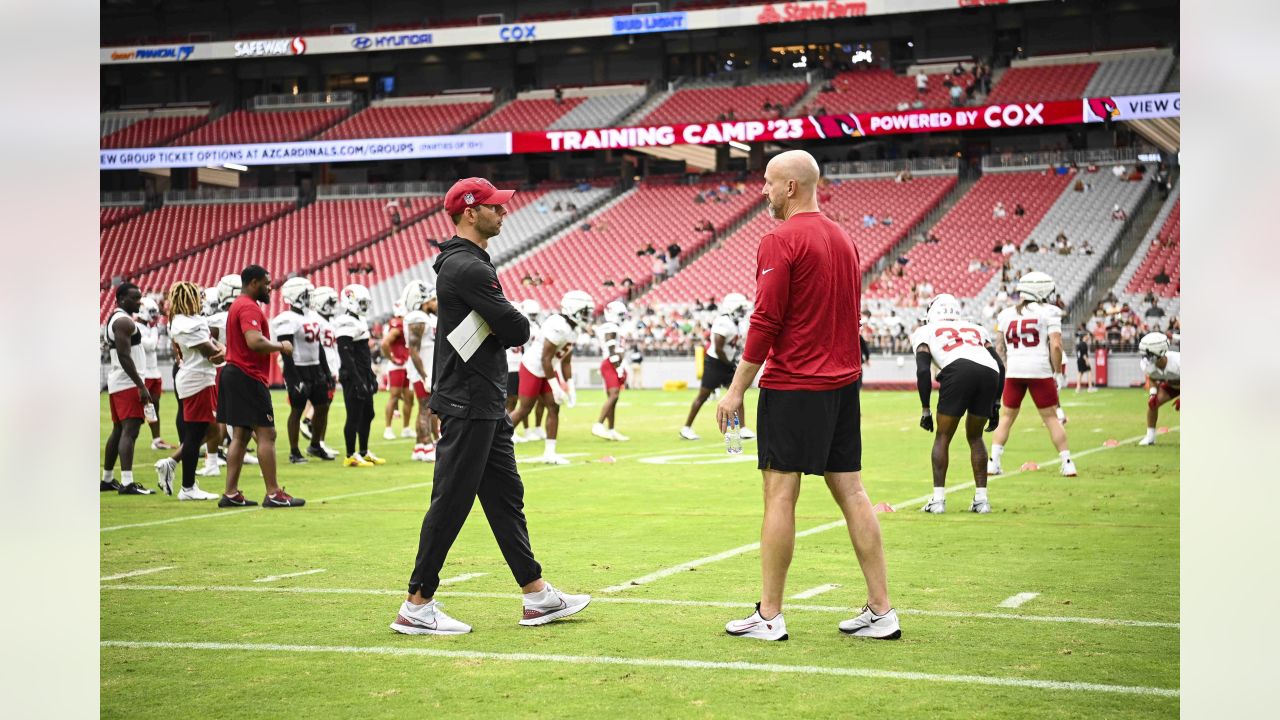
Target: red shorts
point(397, 378)
point(420, 389)
point(126, 405)
point(531, 385)
point(1044, 392)
point(155, 386)
point(609, 373)
point(201, 407)
point(1171, 390)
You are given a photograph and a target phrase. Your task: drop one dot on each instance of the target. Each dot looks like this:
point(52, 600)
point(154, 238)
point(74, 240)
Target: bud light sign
point(655, 22)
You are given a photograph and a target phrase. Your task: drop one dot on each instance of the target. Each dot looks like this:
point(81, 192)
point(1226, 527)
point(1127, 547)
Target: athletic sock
point(550, 448)
point(108, 476)
point(686, 427)
point(1065, 455)
point(538, 598)
point(1151, 433)
point(414, 608)
point(939, 493)
point(996, 452)
point(980, 495)
point(126, 477)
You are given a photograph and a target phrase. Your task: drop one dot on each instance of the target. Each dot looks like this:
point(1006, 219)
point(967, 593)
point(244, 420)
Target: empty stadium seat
point(109, 216)
point(881, 90)
point(407, 121)
point(1161, 250)
point(704, 104)
point(1043, 82)
point(526, 115)
point(150, 131)
point(247, 126)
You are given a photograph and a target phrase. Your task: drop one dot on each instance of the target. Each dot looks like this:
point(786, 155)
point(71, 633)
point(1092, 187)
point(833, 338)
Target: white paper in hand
point(466, 338)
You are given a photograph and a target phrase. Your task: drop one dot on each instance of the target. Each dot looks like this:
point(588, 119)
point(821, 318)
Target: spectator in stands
point(958, 70)
point(1031, 246)
point(673, 250)
point(904, 175)
point(1078, 186)
point(627, 282)
point(1018, 210)
point(601, 225)
point(886, 221)
point(1118, 171)
point(932, 239)
point(868, 220)
point(608, 283)
point(570, 207)
point(585, 227)
point(559, 96)
point(922, 83)
point(1062, 245)
point(1008, 248)
point(392, 209)
point(956, 93)
point(768, 106)
point(648, 249)
point(673, 264)
point(527, 280)
point(699, 199)
point(1118, 214)
point(1154, 311)
point(998, 212)
point(558, 208)
point(542, 208)
point(659, 267)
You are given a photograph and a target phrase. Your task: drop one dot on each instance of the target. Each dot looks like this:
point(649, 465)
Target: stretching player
point(306, 376)
point(396, 353)
point(721, 361)
point(611, 369)
point(1030, 339)
point(514, 355)
point(537, 372)
point(148, 316)
point(420, 330)
point(532, 309)
point(1163, 368)
point(128, 391)
point(359, 384)
point(969, 378)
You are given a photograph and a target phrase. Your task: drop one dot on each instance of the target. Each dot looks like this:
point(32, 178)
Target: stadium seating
point(1131, 75)
point(1161, 249)
point(150, 131)
point(691, 104)
point(580, 259)
point(522, 115)
point(109, 216)
point(881, 90)
point(406, 119)
point(1043, 82)
point(601, 107)
point(247, 126)
point(731, 267)
point(164, 233)
point(968, 232)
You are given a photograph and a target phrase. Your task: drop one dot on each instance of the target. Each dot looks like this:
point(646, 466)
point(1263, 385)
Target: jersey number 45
point(1023, 333)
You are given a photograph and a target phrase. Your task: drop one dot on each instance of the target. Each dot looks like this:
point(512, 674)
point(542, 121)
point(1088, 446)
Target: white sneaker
point(329, 450)
point(208, 470)
point(165, 468)
point(982, 507)
point(746, 434)
point(250, 459)
point(937, 507)
point(160, 444)
point(993, 467)
point(195, 493)
point(518, 439)
point(430, 455)
point(409, 433)
point(1068, 468)
point(553, 459)
point(618, 436)
point(600, 431)
point(755, 626)
point(388, 434)
point(427, 620)
point(689, 434)
point(557, 605)
point(1148, 440)
point(418, 453)
point(539, 433)
point(870, 625)
point(531, 434)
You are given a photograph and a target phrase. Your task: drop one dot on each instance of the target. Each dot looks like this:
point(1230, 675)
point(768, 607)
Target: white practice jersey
point(117, 380)
point(516, 354)
point(307, 331)
point(555, 330)
point(329, 345)
point(218, 326)
point(610, 349)
point(952, 340)
point(348, 325)
point(1026, 339)
point(196, 372)
point(150, 338)
point(1172, 371)
point(732, 332)
point(428, 350)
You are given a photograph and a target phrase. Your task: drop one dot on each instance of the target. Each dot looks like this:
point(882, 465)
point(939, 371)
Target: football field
point(1063, 602)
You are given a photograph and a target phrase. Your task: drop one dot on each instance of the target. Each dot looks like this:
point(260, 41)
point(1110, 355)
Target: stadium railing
point(217, 196)
point(874, 168)
point(299, 100)
point(379, 190)
point(1049, 158)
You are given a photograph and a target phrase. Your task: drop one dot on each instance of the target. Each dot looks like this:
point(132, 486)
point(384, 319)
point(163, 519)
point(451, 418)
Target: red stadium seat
point(526, 115)
point(1043, 82)
point(697, 105)
point(407, 121)
point(246, 126)
point(1165, 253)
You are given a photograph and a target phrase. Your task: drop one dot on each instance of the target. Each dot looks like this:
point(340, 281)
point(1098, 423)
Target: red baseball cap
point(474, 191)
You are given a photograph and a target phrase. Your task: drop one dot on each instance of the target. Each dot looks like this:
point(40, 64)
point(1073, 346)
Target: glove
point(573, 395)
point(558, 393)
point(926, 421)
point(1060, 380)
point(994, 421)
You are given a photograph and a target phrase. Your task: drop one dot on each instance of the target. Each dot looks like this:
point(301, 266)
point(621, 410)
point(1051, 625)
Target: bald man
point(808, 421)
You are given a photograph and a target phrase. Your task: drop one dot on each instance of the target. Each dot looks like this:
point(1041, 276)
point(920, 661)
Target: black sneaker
point(306, 428)
point(296, 458)
point(317, 451)
point(134, 488)
point(282, 499)
point(104, 486)
point(222, 452)
point(239, 500)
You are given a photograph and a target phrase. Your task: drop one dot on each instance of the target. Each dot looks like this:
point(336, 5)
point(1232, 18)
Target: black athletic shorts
point(1083, 365)
point(967, 387)
point(809, 431)
point(243, 401)
point(716, 373)
point(513, 384)
point(307, 384)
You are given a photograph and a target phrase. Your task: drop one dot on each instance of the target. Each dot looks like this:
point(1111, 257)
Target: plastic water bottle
point(733, 436)
point(149, 412)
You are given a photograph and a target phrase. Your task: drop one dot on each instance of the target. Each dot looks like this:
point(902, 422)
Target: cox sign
point(517, 33)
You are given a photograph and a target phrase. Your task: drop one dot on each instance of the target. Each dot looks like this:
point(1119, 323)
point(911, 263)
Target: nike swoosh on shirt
point(766, 272)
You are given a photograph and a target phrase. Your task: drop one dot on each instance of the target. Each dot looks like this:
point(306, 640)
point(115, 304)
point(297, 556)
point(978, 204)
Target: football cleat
point(282, 499)
point(755, 626)
point(134, 488)
point(320, 452)
point(195, 493)
point(982, 507)
point(388, 434)
point(600, 431)
point(746, 433)
point(209, 470)
point(409, 433)
point(296, 458)
point(250, 459)
point(618, 436)
point(936, 507)
point(305, 428)
point(993, 467)
point(370, 457)
point(160, 444)
point(1068, 468)
point(356, 461)
point(1149, 439)
point(553, 459)
point(237, 500)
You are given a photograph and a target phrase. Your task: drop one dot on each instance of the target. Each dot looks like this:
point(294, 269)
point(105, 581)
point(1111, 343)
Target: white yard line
point(811, 592)
point(136, 573)
point(462, 578)
point(666, 572)
point(273, 578)
point(1018, 600)
point(403, 651)
point(650, 601)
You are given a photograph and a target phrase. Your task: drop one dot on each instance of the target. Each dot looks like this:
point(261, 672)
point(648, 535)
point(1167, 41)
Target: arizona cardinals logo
point(836, 126)
point(1103, 107)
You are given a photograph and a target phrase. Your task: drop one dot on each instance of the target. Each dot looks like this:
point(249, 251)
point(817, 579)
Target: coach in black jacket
point(475, 456)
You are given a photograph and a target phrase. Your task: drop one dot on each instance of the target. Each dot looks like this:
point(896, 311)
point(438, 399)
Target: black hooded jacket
point(466, 281)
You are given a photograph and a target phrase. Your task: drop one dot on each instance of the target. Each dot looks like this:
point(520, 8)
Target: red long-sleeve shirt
point(808, 300)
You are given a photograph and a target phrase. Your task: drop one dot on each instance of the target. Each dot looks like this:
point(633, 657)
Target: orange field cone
point(1111, 442)
point(608, 460)
point(1030, 467)
point(884, 507)
point(1162, 430)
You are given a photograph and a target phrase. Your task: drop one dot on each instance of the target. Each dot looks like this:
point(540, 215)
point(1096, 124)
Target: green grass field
point(209, 633)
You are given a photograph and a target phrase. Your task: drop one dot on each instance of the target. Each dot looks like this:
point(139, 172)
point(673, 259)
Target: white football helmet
point(735, 304)
point(944, 307)
point(576, 306)
point(1154, 345)
point(228, 288)
point(211, 301)
point(615, 312)
point(416, 293)
point(532, 308)
point(297, 293)
point(324, 300)
point(356, 299)
point(1036, 287)
point(148, 311)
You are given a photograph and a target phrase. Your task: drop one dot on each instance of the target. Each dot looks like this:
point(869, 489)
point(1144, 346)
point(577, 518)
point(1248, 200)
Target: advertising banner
point(316, 151)
point(1132, 107)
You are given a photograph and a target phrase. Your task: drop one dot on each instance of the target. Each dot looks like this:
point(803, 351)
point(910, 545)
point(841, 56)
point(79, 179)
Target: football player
point(538, 376)
point(359, 384)
point(1163, 368)
point(611, 369)
point(396, 353)
point(969, 378)
point(1029, 337)
point(531, 310)
point(128, 391)
point(324, 300)
point(306, 374)
point(148, 317)
point(420, 330)
point(721, 361)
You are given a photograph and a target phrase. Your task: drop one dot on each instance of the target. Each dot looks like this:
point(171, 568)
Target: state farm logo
point(795, 12)
point(768, 15)
point(271, 48)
